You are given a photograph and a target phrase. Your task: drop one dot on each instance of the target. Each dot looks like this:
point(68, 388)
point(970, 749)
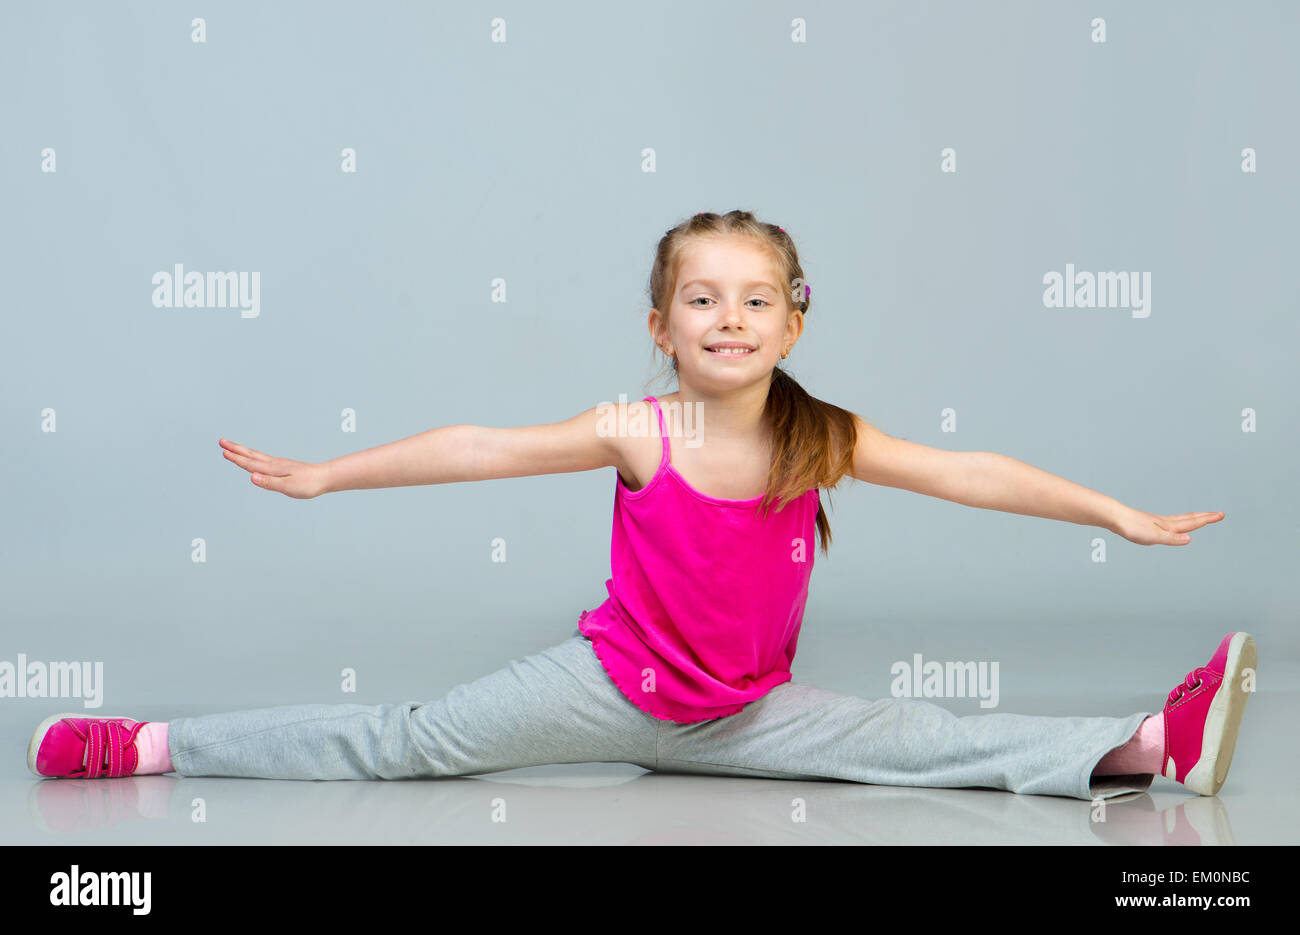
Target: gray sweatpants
point(560, 706)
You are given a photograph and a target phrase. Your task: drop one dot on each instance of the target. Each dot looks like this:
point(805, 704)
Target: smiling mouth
point(730, 351)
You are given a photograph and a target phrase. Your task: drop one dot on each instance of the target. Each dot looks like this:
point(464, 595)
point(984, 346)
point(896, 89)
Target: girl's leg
point(557, 706)
point(1140, 755)
point(798, 731)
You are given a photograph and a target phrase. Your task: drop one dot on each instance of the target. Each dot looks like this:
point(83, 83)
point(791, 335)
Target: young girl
point(686, 666)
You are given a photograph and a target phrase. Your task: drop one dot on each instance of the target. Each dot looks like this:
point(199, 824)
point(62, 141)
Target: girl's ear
point(654, 321)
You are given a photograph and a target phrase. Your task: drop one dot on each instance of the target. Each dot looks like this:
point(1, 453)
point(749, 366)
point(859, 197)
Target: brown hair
point(812, 440)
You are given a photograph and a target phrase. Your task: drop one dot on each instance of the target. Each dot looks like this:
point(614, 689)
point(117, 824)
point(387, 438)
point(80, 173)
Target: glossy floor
point(614, 803)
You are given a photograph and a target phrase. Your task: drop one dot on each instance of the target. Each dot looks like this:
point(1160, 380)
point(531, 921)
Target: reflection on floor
point(614, 803)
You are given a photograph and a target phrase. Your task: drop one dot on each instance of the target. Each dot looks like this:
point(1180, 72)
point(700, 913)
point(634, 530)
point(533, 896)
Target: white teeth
point(731, 350)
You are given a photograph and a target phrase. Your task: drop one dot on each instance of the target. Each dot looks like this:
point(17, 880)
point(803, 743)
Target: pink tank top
point(706, 596)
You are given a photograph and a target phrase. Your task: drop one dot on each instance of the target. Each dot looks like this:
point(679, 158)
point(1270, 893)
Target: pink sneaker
point(69, 746)
point(1203, 715)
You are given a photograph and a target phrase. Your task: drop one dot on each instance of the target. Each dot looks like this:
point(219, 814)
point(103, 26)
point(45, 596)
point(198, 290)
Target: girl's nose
point(732, 315)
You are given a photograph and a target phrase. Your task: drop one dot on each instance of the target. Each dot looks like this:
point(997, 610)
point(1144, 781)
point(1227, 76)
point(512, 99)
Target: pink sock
point(151, 744)
point(1141, 754)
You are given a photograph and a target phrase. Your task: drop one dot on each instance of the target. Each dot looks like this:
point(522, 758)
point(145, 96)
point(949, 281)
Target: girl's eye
point(706, 299)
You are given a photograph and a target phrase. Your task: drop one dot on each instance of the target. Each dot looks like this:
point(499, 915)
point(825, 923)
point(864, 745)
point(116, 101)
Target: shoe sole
point(49, 722)
point(1223, 721)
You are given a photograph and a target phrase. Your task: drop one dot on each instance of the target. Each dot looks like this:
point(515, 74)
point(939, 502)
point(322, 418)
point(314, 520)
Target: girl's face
point(729, 292)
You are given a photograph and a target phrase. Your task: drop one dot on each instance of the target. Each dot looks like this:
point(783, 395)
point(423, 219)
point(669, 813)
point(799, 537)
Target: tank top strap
point(663, 429)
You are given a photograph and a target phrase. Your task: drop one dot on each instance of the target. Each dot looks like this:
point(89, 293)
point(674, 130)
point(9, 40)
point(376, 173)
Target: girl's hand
point(1150, 529)
point(301, 480)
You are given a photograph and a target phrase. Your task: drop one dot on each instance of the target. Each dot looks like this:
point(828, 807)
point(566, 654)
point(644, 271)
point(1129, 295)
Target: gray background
point(522, 160)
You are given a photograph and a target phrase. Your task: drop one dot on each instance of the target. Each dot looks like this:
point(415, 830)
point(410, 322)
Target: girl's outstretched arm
point(444, 455)
point(995, 481)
